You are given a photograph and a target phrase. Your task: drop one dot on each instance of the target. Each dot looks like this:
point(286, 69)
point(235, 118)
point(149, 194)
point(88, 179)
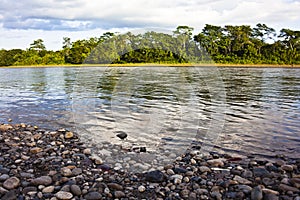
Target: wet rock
point(179, 170)
point(48, 189)
point(64, 195)
point(288, 168)
point(256, 193)
point(4, 177)
point(75, 189)
point(122, 135)
point(155, 176)
point(287, 188)
point(69, 135)
point(115, 186)
point(261, 172)
point(119, 194)
point(11, 183)
point(242, 180)
point(10, 195)
point(141, 188)
point(43, 180)
point(204, 169)
point(216, 162)
point(271, 197)
point(93, 196)
point(36, 150)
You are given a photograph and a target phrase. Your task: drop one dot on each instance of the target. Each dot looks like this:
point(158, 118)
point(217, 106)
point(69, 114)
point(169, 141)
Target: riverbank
point(161, 65)
point(47, 164)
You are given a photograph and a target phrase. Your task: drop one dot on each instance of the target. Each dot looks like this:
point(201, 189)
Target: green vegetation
point(224, 45)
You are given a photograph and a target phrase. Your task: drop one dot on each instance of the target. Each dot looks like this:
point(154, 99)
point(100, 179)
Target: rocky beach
point(55, 164)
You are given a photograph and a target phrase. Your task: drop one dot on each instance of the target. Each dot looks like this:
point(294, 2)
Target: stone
point(261, 172)
point(295, 182)
point(11, 183)
point(287, 188)
point(75, 189)
point(170, 172)
point(76, 171)
point(141, 188)
point(48, 189)
point(119, 194)
point(271, 197)
point(244, 188)
point(65, 171)
point(115, 186)
point(29, 189)
point(122, 135)
point(43, 180)
point(3, 190)
point(64, 195)
point(87, 151)
point(69, 135)
point(155, 176)
point(4, 177)
point(216, 162)
point(269, 191)
point(288, 168)
point(10, 195)
point(179, 170)
point(5, 127)
point(36, 150)
point(256, 193)
point(93, 196)
point(204, 169)
point(242, 180)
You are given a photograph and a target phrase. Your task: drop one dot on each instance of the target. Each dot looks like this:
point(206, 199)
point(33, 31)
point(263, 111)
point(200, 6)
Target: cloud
point(83, 16)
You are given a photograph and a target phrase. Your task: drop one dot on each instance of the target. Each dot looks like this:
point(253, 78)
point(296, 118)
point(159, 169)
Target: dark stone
point(29, 189)
point(271, 197)
point(155, 176)
point(11, 195)
point(143, 149)
point(179, 170)
point(122, 135)
point(196, 179)
point(261, 172)
point(93, 196)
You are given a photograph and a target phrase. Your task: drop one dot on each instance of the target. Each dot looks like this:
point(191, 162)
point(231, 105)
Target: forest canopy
point(227, 45)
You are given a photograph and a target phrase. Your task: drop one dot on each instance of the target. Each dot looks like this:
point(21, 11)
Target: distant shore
point(161, 65)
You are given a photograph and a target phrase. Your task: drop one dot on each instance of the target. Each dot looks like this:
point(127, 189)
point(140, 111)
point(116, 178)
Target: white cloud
point(70, 16)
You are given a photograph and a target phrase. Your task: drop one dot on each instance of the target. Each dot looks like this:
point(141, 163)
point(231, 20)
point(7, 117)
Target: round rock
point(64, 195)
point(11, 183)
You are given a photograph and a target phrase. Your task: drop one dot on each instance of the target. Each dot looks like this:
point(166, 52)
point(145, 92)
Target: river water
point(234, 110)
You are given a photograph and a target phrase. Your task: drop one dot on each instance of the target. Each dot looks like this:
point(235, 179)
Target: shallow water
point(237, 110)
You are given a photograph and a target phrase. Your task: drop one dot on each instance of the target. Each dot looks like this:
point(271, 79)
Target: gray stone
point(115, 186)
point(75, 189)
point(204, 169)
point(48, 189)
point(93, 196)
point(3, 177)
point(11, 183)
point(288, 168)
point(242, 180)
point(43, 180)
point(261, 172)
point(287, 188)
point(256, 193)
point(119, 194)
point(64, 195)
point(11, 195)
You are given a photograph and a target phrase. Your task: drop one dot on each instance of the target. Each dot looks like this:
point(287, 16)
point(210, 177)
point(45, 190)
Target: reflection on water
point(262, 105)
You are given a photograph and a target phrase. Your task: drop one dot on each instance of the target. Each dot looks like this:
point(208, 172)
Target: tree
point(37, 45)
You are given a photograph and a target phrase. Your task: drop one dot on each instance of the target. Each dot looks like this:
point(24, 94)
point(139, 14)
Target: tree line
point(228, 44)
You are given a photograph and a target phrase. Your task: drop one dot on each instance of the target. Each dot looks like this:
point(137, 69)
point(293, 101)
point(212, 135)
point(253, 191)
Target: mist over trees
point(229, 45)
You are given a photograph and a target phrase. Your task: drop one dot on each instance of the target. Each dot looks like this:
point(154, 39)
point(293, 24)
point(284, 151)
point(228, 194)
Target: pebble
point(287, 188)
point(155, 176)
point(119, 194)
point(69, 135)
point(141, 188)
point(48, 189)
point(216, 162)
point(75, 189)
point(93, 196)
point(43, 180)
point(256, 193)
point(11, 183)
point(64, 195)
point(288, 168)
point(204, 169)
point(242, 180)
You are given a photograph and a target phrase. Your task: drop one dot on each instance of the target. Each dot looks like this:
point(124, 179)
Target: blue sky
point(22, 21)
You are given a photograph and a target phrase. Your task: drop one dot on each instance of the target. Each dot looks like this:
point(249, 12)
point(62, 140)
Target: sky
point(23, 21)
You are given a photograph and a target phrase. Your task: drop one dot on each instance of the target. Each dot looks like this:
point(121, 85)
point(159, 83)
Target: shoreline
point(56, 164)
point(159, 65)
